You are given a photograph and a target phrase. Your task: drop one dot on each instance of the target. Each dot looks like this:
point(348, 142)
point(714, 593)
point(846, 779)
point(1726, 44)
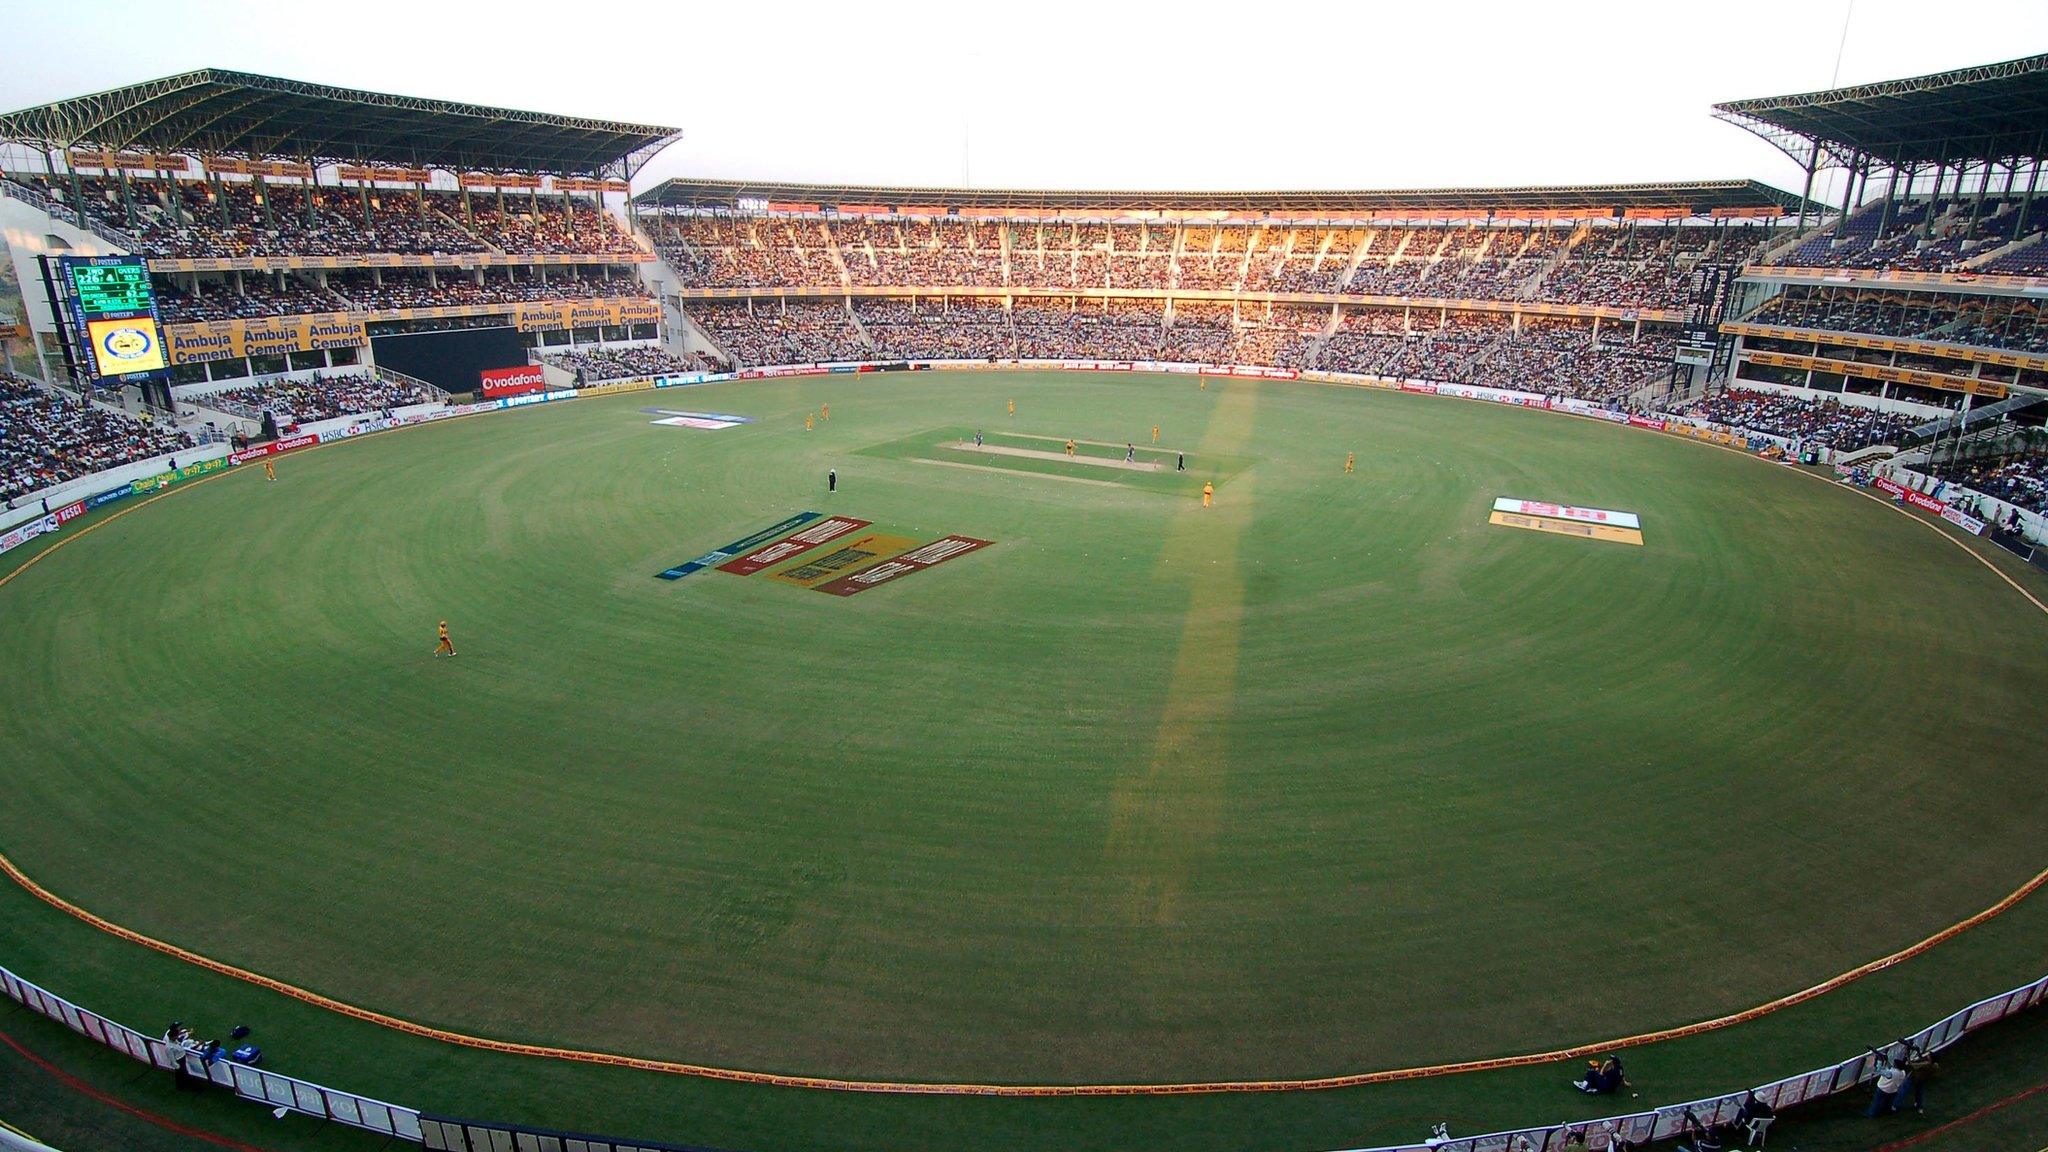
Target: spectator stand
point(301, 186)
point(49, 439)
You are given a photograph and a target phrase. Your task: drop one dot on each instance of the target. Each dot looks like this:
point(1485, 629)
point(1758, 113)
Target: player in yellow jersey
point(1070, 447)
point(825, 410)
point(1350, 463)
point(269, 469)
point(1013, 405)
point(446, 647)
point(1208, 493)
point(1155, 433)
point(807, 422)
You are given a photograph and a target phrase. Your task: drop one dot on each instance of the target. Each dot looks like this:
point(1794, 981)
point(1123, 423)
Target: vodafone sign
point(513, 381)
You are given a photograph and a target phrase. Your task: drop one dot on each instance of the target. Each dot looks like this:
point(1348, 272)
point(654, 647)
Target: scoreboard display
point(105, 288)
point(113, 314)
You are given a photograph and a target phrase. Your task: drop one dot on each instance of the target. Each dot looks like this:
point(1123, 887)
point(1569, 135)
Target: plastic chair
point(1758, 1125)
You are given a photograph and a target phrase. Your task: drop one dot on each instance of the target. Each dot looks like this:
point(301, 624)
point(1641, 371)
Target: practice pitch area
point(1105, 787)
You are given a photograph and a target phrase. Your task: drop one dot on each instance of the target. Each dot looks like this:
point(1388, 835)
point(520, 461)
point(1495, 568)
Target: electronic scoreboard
point(113, 317)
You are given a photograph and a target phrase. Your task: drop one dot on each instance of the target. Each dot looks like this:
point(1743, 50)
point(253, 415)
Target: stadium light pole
point(2019, 226)
point(1806, 193)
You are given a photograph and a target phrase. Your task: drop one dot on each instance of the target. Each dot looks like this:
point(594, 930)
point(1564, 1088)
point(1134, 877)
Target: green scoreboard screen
point(111, 288)
point(113, 316)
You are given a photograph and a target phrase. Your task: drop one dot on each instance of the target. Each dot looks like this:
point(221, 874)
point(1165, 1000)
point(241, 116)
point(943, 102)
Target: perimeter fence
point(447, 1134)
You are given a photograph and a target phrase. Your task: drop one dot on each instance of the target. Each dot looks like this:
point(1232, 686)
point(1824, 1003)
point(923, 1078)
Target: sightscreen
point(453, 360)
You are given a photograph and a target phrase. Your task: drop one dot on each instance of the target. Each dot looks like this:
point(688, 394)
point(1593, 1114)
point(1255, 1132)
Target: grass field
point(1331, 777)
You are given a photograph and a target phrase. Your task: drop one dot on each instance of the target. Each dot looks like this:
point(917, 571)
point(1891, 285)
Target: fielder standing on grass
point(1208, 491)
point(446, 647)
point(269, 469)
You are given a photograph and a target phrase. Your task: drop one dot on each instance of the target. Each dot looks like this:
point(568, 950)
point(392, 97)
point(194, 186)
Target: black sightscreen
point(451, 360)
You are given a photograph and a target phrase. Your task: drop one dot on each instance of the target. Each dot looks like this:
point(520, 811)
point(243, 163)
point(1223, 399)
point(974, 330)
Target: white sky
point(1275, 94)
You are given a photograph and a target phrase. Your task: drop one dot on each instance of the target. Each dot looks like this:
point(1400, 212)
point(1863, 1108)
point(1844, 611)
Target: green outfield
point(1331, 777)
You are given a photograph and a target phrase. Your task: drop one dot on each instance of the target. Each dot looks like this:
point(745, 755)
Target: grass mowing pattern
point(999, 740)
point(955, 446)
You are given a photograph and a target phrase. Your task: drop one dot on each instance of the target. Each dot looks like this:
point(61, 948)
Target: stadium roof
point(212, 110)
point(1698, 196)
point(1990, 112)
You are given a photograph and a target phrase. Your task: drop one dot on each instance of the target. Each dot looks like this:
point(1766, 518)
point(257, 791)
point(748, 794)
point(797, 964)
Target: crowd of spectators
point(420, 288)
point(1552, 356)
point(533, 225)
point(321, 397)
point(591, 365)
point(2021, 481)
point(1985, 321)
point(1634, 266)
point(236, 218)
point(283, 294)
point(47, 438)
point(1902, 236)
point(1816, 423)
point(788, 332)
point(256, 295)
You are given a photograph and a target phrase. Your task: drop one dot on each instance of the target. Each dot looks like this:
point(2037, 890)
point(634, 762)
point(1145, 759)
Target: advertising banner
point(1924, 502)
point(70, 512)
point(22, 534)
point(721, 555)
point(386, 260)
point(109, 496)
point(851, 556)
point(540, 314)
point(1963, 520)
point(794, 545)
point(690, 378)
point(1567, 512)
point(640, 384)
point(1493, 395)
point(272, 448)
point(513, 381)
point(606, 311)
point(1563, 527)
point(536, 398)
point(268, 336)
point(916, 560)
